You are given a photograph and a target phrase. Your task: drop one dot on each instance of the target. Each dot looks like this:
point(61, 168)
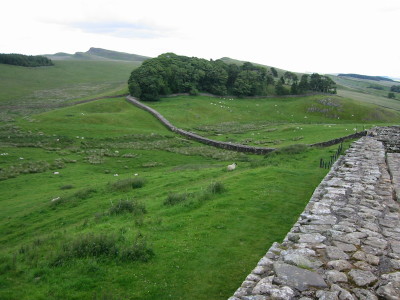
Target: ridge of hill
point(229, 60)
point(98, 54)
point(360, 76)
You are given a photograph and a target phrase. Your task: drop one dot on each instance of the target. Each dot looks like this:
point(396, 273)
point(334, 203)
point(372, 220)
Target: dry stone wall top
point(346, 243)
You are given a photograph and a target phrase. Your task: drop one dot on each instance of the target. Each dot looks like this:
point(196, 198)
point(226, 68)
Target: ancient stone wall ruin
point(228, 145)
point(346, 243)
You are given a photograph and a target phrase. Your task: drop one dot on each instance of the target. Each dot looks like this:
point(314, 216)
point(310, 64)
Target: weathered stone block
point(298, 278)
point(362, 278)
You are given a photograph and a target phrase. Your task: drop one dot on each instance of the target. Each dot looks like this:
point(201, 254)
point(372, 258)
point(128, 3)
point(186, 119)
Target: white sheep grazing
point(231, 167)
point(56, 173)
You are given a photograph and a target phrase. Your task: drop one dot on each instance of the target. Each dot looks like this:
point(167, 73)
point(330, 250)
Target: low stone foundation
point(346, 243)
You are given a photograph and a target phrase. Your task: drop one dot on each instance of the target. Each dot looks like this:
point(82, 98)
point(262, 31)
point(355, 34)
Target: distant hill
point(366, 77)
point(229, 60)
point(98, 54)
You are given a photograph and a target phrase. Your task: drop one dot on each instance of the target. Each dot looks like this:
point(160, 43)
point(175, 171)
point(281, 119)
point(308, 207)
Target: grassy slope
point(273, 121)
point(19, 82)
point(98, 54)
point(359, 90)
point(202, 248)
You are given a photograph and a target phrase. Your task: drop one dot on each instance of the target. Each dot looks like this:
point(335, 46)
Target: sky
point(324, 36)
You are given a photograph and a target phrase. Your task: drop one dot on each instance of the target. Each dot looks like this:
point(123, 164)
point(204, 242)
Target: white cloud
point(356, 36)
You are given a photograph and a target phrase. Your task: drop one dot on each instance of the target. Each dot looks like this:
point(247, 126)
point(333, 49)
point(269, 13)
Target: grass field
point(360, 90)
point(273, 122)
point(204, 245)
point(24, 91)
point(100, 201)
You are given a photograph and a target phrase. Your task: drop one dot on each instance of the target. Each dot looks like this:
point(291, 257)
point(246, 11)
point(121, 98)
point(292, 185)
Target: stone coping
point(346, 243)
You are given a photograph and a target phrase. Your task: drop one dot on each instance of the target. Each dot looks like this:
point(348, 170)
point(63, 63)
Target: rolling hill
point(366, 77)
point(73, 77)
point(367, 90)
point(98, 54)
point(100, 201)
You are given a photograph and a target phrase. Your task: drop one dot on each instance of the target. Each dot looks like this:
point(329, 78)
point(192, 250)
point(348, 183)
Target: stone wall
point(346, 243)
point(389, 136)
point(341, 139)
point(201, 139)
point(225, 145)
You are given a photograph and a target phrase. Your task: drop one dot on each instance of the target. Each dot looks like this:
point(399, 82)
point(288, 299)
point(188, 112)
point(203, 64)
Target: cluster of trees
point(395, 88)
point(313, 83)
point(25, 60)
point(376, 87)
point(170, 74)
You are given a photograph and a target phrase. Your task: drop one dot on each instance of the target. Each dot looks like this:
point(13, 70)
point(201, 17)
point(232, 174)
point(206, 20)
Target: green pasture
point(273, 122)
point(68, 79)
point(101, 118)
point(100, 201)
point(203, 246)
point(25, 91)
point(360, 90)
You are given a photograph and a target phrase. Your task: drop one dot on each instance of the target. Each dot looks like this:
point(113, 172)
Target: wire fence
point(327, 164)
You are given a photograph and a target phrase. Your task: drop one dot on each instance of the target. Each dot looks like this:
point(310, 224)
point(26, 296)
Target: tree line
point(170, 73)
point(25, 60)
point(395, 88)
point(289, 84)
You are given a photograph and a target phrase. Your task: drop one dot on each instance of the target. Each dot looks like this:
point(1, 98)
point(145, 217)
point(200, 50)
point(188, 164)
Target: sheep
point(56, 173)
point(231, 167)
point(55, 199)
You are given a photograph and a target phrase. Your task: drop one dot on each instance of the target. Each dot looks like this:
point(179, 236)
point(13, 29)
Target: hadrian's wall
point(346, 243)
point(227, 145)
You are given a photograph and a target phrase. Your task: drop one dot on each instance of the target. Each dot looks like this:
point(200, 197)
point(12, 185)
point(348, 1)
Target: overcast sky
point(325, 36)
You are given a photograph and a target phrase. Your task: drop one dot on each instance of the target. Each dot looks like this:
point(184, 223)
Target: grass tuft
point(89, 245)
point(125, 185)
point(175, 198)
point(103, 245)
point(84, 193)
point(67, 187)
point(128, 206)
point(216, 188)
point(138, 251)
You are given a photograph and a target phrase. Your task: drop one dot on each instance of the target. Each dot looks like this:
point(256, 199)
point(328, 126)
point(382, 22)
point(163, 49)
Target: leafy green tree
point(294, 90)
point(274, 72)
point(395, 88)
point(170, 73)
point(134, 89)
point(321, 83)
point(290, 78)
point(25, 60)
point(303, 84)
point(391, 95)
point(280, 89)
